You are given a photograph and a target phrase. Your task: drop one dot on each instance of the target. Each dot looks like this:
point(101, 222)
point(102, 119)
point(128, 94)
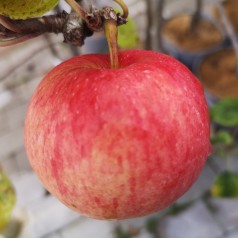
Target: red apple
point(118, 143)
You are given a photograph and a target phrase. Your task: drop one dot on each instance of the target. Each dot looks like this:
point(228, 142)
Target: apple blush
point(118, 143)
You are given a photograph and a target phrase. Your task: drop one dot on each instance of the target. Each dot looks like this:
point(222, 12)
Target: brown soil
point(219, 75)
point(231, 9)
point(204, 36)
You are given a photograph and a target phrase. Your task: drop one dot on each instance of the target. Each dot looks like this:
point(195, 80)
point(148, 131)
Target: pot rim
point(196, 67)
point(166, 40)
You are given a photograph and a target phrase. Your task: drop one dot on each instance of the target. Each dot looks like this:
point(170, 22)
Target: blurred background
point(201, 34)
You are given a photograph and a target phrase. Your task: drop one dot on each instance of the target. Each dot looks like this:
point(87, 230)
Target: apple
point(118, 143)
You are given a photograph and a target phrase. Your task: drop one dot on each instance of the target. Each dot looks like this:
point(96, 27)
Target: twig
point(75, 50)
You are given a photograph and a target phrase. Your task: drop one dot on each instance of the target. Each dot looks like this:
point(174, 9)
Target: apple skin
point(118, 143)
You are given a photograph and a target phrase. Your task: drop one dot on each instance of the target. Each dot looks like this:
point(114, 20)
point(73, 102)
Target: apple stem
point(110, 21)
point(110, 28)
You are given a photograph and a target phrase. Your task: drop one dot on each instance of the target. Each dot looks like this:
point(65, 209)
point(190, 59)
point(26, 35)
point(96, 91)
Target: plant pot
point(219, 75)
point(231, 10)
point(187, 44)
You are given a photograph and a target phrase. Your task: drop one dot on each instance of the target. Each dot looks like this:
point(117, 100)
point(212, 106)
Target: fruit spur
point(118, 135)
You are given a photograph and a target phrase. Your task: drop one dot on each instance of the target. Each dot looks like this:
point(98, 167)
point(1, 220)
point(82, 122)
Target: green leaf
point(128, 233)
point(128, 36)
point(151, 225)
point(7, 199)
point(23, 9)
point(225, 112)
point(226, 185)
point(222, 137)
point(176, 208)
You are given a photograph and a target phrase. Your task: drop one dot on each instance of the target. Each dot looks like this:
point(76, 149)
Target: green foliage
point(22, 9)
point(206, 197)
point(151, 225)
point(128, 36)
point(13, 230)
point(226, 185)
point(222, 137)
point(176, 208)
point(7, 199)
point(225, 112)
point(120, 233)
